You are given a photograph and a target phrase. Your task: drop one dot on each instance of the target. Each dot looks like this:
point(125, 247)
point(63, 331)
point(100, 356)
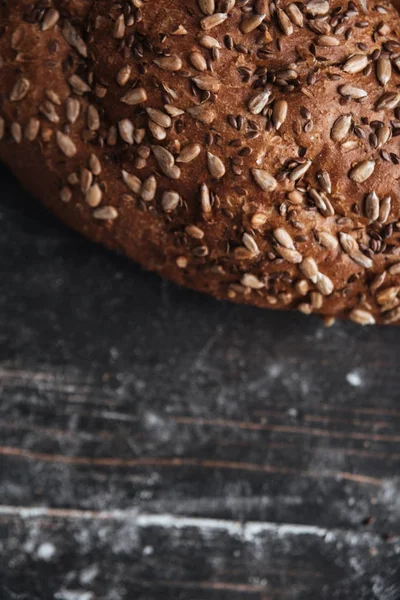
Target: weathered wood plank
point(194, 557)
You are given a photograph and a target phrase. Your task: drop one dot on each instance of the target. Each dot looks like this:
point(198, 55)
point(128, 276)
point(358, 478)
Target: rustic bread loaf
point(244, 148)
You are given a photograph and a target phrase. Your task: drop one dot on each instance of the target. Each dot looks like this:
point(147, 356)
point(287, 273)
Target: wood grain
point(157, 444)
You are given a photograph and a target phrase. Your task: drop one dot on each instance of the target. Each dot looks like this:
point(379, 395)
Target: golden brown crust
point(247, 149)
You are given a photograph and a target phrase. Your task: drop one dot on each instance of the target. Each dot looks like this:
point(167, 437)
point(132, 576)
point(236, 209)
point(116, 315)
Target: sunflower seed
point(202, 113)
point(159, 117)
point(350, 247)
point(284, 22)
point(341, 128)
point(170, 201)
point(207, 83)
point(258, 102)
point(394, 269)
point(207, 7)
point(356, 63)
point(250, 243)
point(105, 213)
point(194, 232)
point(362, 171)
point(383, 70)
point(86, 180)
point(378, 281)
point(383, 135)
point(49, 110)
point(94, 196)
point(78, 84)
point(51, 18)
point(295, 197)
point(73, 178)
point(119, 28)
point(166, 162)
point(327, 240)
point(352, 92)
point(149, 189)
point(348, 243)
point(305, 308)
point(279, 113)
point(317, 300)
point(324, 181)
point(302, 287)
point(20, 89)
point(213, 21)
point(65, 194)
point(209, 42)
point(327, 41)
point(228, 5)
point(361, 317)
point(94, 164)
point(133, 182)
point(388, 101)
point(324, 284)
point(205, 199)
point(283, 238)
point(384, 210)
point(182, 262)
point(310, 269)
point(264, 180)
point(74, 39)
point(251, 22)
point(169, 63)
point(317, 7)
point(392, 316)
point(387, 295)
point(396, 62)
point(73, 108)
point(139, 135)
point(295, 15)
point(371, 206)
point(198, 61)
point(258, 220)
point(299, 171)
point(31, 129)
point(318, 200)
point(93, 118)
point(126, 130)
point(215, 166)
point(292, 256)
point(173, 110)
point(243, 253)
point(53, 97)
point(123, 75)
point(65, 144)
point(251, 281)
point(319, 26)
point(135, 96)
point(189, 153)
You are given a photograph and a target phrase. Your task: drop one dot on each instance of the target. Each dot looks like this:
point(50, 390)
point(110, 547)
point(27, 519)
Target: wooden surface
point(156, 444)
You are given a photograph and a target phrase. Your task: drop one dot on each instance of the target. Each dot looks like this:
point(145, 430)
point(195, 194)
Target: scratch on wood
point(289, 429)
point(185, 462)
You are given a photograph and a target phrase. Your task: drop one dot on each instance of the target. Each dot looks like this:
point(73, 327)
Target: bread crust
point(251, 154)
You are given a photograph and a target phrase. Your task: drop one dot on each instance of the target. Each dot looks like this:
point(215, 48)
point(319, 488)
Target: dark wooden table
point(156, 444)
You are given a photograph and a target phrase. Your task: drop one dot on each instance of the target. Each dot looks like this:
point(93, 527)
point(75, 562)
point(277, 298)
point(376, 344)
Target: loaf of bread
point(244, 148)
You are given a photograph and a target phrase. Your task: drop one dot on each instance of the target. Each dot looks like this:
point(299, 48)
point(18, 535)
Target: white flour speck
point(354, 379)
point(46, 551)
point(88, 575)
